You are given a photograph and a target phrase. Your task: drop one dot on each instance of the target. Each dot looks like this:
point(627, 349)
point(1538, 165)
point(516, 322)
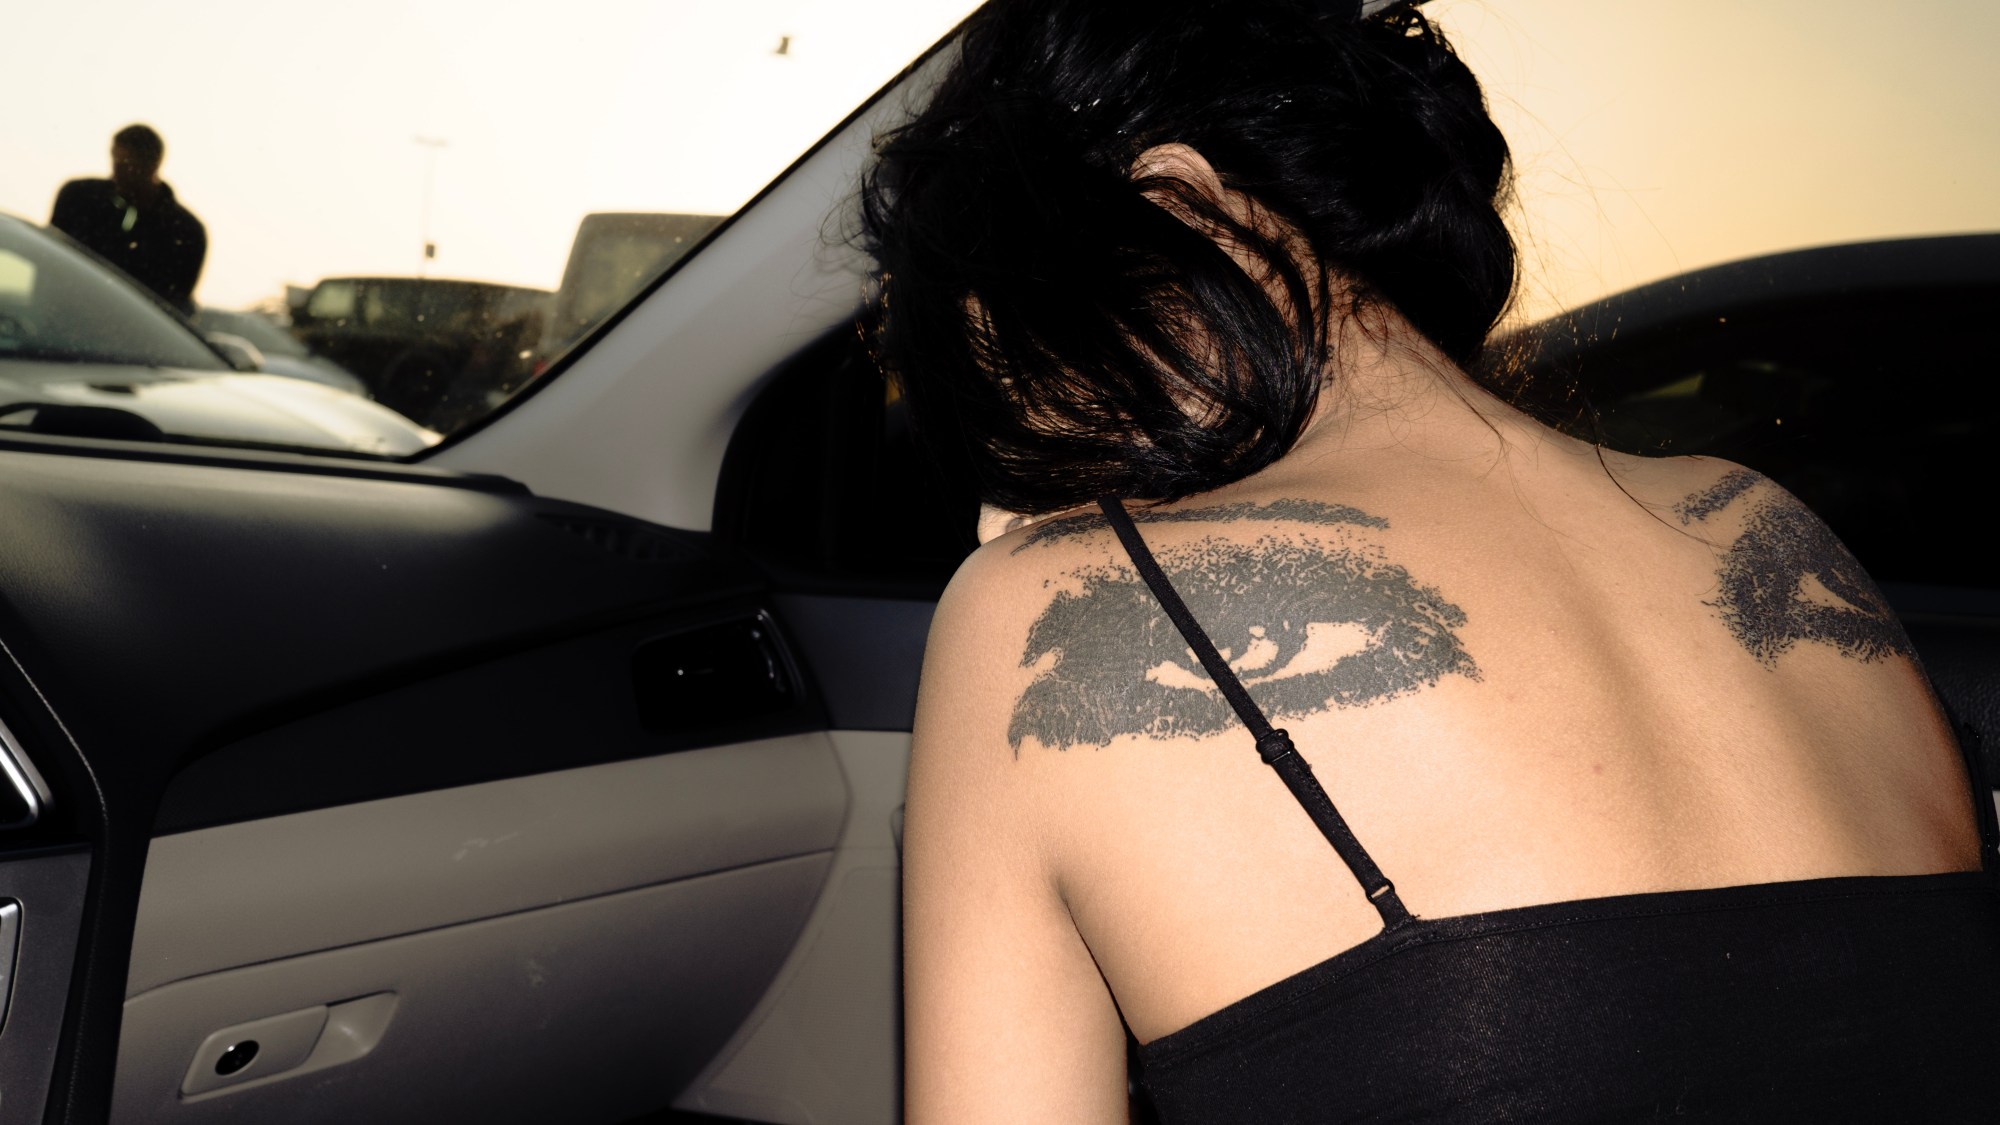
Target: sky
point(292, 129)
point(1656, 137)
point(1649, 137)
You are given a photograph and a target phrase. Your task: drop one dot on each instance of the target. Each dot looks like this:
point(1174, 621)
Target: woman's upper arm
point(1006, 1016)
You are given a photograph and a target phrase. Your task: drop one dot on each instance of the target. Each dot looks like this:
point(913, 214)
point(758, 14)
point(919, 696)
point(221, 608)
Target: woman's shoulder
point(1729, 506)
point(977, 633)
point(996, 596)
point(1674, 485)
point(1781, 577)
point(1009, 573)
point(1692, 491)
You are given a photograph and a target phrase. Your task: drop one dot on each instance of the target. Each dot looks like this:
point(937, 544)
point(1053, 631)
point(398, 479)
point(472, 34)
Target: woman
point(1612, 788)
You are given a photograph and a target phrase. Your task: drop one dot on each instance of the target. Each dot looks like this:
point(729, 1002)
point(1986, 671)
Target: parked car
point(277, 350)
point(85, 353)
point(613, 257)
point(443, 352)
point(553, 773)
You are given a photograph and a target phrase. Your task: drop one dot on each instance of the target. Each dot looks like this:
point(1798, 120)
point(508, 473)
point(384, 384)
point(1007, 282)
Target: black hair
point(141, 141)
point(1062, 330)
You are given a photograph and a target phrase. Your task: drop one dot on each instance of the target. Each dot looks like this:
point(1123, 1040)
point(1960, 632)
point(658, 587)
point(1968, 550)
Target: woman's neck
point(1390, 389)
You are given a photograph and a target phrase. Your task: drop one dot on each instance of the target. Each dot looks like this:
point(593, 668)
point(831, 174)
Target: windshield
point(58, 305)
point(440, 200)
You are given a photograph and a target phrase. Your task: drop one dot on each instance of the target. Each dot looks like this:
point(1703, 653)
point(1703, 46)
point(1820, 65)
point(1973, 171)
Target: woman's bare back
point(1531, 677)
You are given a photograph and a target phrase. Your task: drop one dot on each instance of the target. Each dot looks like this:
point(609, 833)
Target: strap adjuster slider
point(1274, 746)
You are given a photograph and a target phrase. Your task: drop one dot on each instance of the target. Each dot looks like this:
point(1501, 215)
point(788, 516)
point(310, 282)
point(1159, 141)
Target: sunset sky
point(1651, 137)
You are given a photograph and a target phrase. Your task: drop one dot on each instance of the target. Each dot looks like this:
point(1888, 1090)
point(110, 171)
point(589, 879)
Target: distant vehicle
point(278, 351)
point(613, 257)
point(84, 352)
point(442, 352)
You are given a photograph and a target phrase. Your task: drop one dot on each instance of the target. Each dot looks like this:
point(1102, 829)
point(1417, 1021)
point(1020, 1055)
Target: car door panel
point(571, 702)
point(413, 724)
point(222, 602)
point(824, 1045)
point(865, 653)
point(254, 891)
point(597, 1010)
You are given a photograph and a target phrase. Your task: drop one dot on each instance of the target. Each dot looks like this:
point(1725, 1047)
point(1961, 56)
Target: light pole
point(432, 146)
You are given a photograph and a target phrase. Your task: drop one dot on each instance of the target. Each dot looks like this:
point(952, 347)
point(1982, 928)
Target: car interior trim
point(593, 1010)
point(653, 447)
point(47, 889)
point(26, 792)
point(569, 703)
point(10, 948)
point(864, 653)
point(823, 1045)
point(360, 466)
point(255, 891)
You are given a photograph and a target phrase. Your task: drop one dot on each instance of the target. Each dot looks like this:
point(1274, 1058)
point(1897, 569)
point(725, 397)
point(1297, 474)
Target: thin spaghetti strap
point(1273, 744)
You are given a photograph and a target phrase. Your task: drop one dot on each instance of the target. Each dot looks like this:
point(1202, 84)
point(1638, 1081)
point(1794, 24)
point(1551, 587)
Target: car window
point(1870, 402)
point(824, 477)
point(433, 204)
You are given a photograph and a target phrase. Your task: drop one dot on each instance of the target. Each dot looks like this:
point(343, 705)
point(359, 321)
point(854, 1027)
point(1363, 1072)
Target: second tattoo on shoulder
point(1786, 579)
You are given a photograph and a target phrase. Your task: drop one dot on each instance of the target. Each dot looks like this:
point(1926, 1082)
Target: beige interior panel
point(239, 894)
point(585, 1012)
point(823, 1047)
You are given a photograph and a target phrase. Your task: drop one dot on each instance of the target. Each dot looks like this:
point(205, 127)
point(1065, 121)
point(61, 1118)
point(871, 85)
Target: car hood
point(314, 369)
point(220, 405)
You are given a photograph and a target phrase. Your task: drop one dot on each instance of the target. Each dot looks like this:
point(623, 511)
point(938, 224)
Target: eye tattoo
point(1787, 579)
point(1716, 497)
point(1309, 626)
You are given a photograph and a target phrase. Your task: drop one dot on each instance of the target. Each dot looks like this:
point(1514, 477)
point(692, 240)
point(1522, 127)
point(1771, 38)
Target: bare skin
point(1523, 679)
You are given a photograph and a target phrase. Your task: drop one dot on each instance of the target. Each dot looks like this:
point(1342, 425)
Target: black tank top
point(1872, 998)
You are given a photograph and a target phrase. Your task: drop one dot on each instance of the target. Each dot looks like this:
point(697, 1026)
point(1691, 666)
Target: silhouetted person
point(133, 221)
